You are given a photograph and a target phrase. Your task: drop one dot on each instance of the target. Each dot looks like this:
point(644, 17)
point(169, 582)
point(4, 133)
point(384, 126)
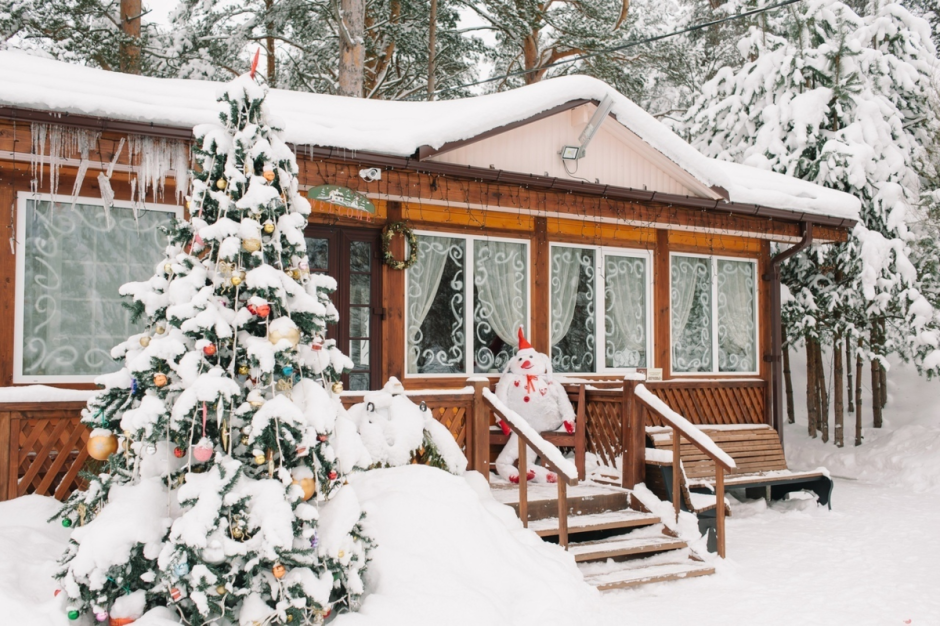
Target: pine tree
point(221, 462)
point(840, 99)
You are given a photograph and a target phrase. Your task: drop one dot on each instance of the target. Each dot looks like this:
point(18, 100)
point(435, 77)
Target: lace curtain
point(625, 306)
point(435, 304)
point(572, 309)
point(500, 278)
point(75, 262)
point(691, 300)
point(736, 308)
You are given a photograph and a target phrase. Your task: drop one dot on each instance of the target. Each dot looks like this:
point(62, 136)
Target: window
point(71, 261)
point(599, 289)
point(466, 298)
point(714, 312)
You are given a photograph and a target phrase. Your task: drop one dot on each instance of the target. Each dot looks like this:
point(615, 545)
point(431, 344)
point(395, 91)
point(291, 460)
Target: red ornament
point(263, 310)
point(525, 399)
point(332, 475)
point(210, 349)
point(56, 593)
point(516, 383)
point(322, 437)
point(178, 452)
point(316, 346)
point(176, 594)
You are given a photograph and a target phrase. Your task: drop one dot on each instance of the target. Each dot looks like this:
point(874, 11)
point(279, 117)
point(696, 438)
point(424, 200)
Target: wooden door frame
point(338, 257)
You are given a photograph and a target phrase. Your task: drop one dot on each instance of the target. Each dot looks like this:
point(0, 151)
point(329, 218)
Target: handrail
point(529, 437)
point(683, 427)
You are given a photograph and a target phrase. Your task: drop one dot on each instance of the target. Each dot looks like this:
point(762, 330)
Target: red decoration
point(332, 475)
point(322, 437)
point(176, 594)
point(569, 427)
point(530, 475)
point(523, 342)
point(504, 427)
point(551, 477)
point(251, 309)
point(263, 310)
point(254, 63)
point(516, 383)
point(210, 349)
point(178, 452)
point(525, 399)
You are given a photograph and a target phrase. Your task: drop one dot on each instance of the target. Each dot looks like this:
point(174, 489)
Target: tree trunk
point(788, 383)
point(838, 419)
point(432, 47)
point(883, 383)
point(858, 394)
point(823, 417)
point(848, 374)
point(130, 43)
point(351, 47)
point(876, 392)
point(811, 395)
point(269, 45)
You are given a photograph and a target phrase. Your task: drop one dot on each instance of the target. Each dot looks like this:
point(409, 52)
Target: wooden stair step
point(589, 523)
point(623, 546)
point(652, 573)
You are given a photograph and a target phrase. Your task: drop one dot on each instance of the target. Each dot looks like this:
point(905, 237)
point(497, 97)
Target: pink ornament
point(101, 616)
point(56, 593)
point(202, 453)
point(199, 241)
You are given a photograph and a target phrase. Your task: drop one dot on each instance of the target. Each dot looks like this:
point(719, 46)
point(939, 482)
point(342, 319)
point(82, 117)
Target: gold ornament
point(101, 447)
point(296, 274)
point(237, 532)
point(221, 184)
point(284, 384)
point(145, 341)
point(168, 268)
point(251, 245)
point(269, 175)
point(309, 486)
point(340, 554)
point(244, 440)
point(221, 590)
point(243, 370)
point(337, 387)
point(278, 570)
point(189, 205)
point(259, 459)
point(159, 380)
point(160, 329)
point(269, 227)
point(236, 280)
point(291, 334)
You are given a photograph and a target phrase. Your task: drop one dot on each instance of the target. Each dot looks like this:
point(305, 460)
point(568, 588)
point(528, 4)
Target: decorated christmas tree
point(221, 493)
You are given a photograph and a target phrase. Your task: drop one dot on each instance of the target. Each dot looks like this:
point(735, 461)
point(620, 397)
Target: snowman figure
point(527, 388)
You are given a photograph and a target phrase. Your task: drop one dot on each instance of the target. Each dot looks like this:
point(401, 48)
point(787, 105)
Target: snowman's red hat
point(523, 342)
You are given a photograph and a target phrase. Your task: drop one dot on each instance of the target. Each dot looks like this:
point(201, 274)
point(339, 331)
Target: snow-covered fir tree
point(222, 490)
point(840, 99)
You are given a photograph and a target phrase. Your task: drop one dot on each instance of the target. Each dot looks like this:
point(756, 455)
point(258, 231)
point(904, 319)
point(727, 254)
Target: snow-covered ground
point(449, 554)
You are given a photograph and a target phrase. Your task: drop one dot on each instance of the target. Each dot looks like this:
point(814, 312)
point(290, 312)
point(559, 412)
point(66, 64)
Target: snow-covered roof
point(392, 128)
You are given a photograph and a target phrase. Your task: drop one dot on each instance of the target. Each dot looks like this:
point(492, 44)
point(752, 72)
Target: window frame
point(22, 198)
point(469, 293)
point(600, 312)
point(713, 268)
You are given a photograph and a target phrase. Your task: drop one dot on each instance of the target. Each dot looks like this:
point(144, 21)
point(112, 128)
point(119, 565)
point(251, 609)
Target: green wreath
point(388, 258)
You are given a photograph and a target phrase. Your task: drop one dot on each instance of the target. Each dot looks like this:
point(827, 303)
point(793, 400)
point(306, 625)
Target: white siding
point(615, 157)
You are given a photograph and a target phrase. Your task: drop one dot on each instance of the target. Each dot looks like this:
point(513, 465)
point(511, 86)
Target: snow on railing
point(544, 449)
point(689, 430)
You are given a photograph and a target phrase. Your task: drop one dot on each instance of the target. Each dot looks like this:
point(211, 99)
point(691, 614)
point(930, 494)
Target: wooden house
point(559, 207)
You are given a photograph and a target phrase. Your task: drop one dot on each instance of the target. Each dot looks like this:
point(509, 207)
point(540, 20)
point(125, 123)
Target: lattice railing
point(44, 451)
point(712, 401)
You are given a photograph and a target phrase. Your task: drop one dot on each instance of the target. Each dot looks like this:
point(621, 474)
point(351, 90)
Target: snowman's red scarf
point(530, 382)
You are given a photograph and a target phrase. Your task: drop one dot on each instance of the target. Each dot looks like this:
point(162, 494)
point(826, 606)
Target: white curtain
point(690, 291)
point(736, 328)
point(625, 328)
point(424, 279)
point(566, 271)
point(500, 278)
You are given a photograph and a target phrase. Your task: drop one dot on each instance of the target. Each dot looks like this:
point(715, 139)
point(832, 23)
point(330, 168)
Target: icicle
point(104, 182)
point(156, 158)
point(38, 134)
point(64, 143)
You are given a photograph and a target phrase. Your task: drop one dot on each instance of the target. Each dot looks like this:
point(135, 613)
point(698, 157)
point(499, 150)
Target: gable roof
point(401, 129)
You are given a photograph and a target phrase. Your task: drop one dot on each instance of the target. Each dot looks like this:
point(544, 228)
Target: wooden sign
point(341, 201)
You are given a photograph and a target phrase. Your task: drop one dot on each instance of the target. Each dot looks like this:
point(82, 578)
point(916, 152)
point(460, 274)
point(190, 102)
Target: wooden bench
point(760, 460)
point(558, 438)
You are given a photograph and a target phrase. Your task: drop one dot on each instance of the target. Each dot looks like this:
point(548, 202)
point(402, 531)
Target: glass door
point(352, 257)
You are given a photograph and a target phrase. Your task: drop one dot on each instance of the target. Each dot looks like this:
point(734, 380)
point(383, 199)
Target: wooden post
point(562, 512)
point(7, 454)
point(524, 485)
point(580, 437)
point(720, 510)
point(676, 470)
point(633, 438)
point(479, 429)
